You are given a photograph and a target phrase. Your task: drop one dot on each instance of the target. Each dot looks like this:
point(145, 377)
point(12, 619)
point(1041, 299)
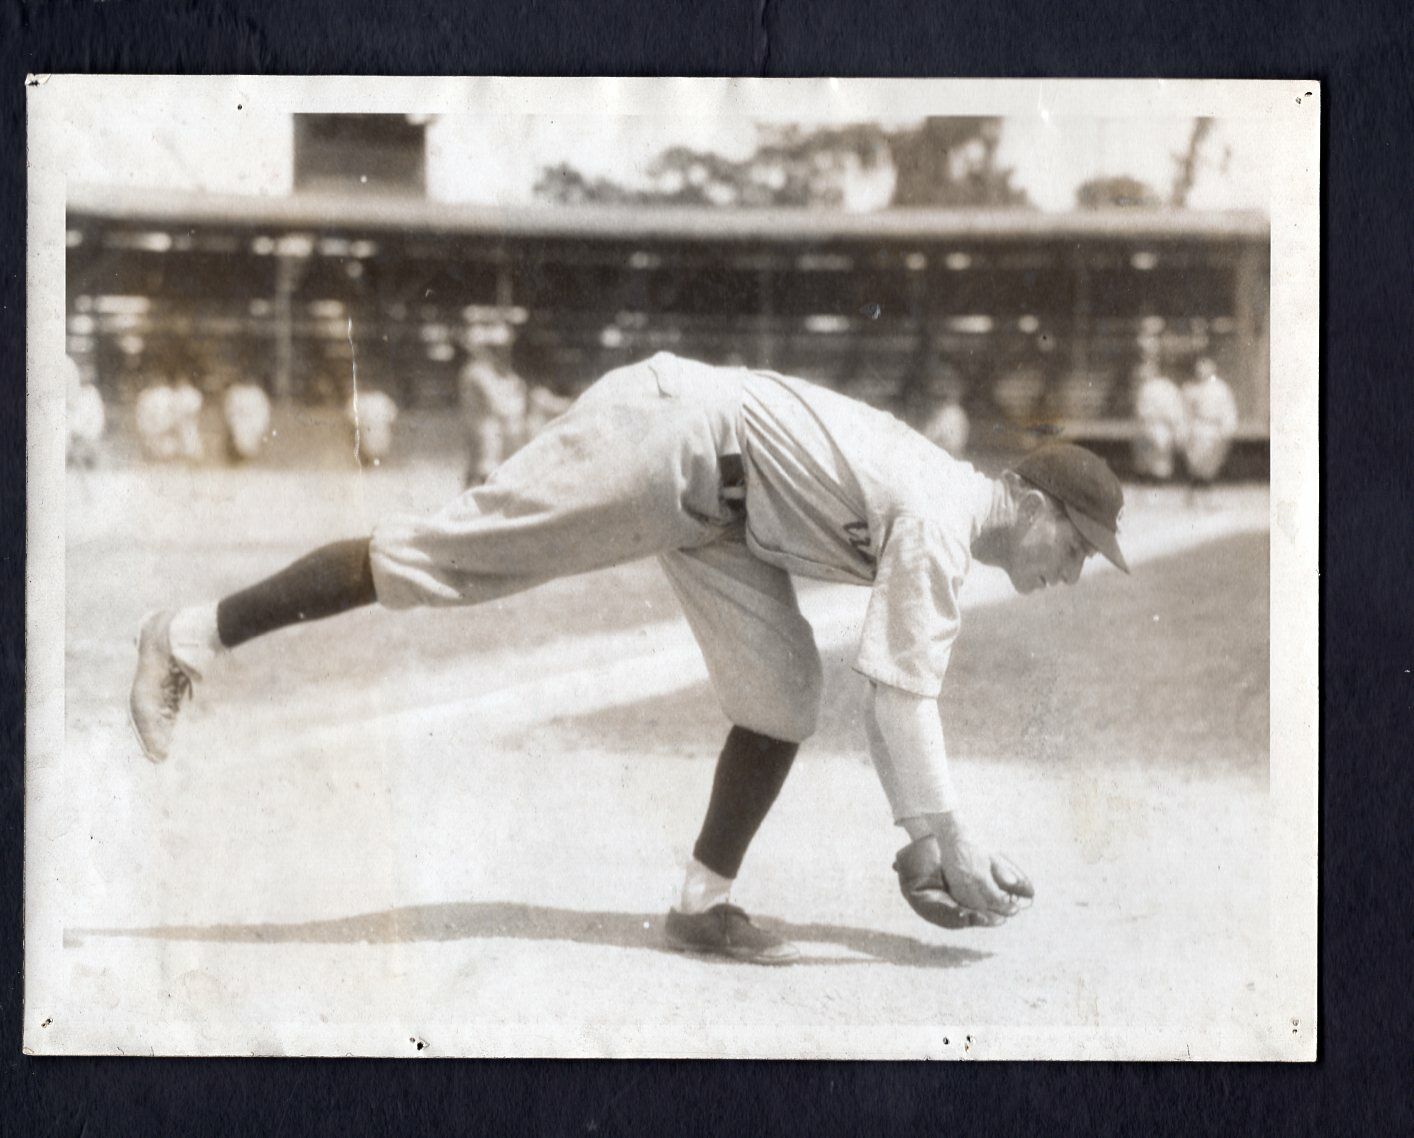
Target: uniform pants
point(631, 470)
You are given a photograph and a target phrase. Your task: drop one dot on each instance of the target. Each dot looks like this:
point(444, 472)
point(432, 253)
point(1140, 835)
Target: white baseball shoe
point(159, 687)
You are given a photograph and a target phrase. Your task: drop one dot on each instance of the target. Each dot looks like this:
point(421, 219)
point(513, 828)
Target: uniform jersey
point(86, 416)
point(1159, 400)
point(501, 394)
point(1162, 416)
point(1211, 404)
point(186, 409)
point(949, 429)
point(839, 491)
point(157, 421)
point(497, 406)
point(247, 411)
point(1212, 421)
point(648, 462)
point(373, 414)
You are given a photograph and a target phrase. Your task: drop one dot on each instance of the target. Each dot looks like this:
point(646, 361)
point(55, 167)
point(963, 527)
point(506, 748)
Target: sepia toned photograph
point(672, 568)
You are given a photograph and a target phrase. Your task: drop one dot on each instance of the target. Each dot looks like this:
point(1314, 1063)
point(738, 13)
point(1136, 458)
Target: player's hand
point(987, 883)
point(919, 867)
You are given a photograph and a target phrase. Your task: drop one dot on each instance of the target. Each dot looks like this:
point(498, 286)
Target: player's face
point(1046, 550)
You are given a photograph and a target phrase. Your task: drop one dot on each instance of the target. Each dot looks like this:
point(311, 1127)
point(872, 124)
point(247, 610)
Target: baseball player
point(1212, 421)
point(246, 409)
point(495, 404)
point(948, 427)
point(156, 416)
point(186, 409)
point(734, 480)
point(1163, 422)
point(371, 414)
point(543, 405)
point(86, 417)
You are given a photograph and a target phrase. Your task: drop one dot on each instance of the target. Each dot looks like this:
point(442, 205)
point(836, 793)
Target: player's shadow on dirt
point(470, 920)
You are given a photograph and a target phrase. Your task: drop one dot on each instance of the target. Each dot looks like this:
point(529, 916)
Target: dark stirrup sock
point(332, 579)
point(750, 772)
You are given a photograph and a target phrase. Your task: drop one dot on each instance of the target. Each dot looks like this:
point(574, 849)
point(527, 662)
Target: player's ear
point(1030, 503)
point(1027, 498)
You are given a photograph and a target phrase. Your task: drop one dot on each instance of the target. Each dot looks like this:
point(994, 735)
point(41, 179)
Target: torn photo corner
point(505, 557)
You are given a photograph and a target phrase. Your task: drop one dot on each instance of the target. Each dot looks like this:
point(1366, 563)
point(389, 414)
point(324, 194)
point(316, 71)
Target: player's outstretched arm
point(945, 875)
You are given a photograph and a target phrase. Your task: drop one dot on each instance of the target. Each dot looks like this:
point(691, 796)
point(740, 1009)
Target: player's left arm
point(911, 623)
point(906, 741)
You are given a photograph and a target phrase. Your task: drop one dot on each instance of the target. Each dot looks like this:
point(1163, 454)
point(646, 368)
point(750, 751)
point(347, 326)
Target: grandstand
point(1038, 316)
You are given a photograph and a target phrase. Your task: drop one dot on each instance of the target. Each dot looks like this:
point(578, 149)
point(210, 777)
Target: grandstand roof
point(379, 213)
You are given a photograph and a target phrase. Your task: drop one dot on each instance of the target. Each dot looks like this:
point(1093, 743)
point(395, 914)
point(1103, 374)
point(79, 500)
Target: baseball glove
point(920, 878)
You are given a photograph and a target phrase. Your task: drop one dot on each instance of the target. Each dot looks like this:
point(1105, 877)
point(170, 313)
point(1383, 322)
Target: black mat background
point(1362, 53)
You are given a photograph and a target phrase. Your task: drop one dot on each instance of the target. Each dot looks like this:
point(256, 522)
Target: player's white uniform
point(1163, 420)
point(949, 428)
point(542, 406)
point(247, 411)
point(734, 479)
point(373, 414)
point(186, 409)
point(1212, 421)
point(86, 418)
point(156, 415)
point(497, 408)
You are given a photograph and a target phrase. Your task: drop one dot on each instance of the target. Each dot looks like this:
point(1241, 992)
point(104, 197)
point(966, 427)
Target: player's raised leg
point(624, 474)
point(175, 648)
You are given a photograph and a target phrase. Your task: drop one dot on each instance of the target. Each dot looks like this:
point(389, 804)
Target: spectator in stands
point(246, 409)
point(1162, 421)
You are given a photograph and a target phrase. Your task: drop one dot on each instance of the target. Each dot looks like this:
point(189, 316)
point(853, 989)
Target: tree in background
point(564, 185)
point(1187, 163)
point(953, 162)
point(1122, 191)
point(1116, 192)
point(941, 162)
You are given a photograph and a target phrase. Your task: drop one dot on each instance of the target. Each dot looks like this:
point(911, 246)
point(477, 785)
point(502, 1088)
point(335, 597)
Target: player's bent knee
point(809, 676)
point(791, 710)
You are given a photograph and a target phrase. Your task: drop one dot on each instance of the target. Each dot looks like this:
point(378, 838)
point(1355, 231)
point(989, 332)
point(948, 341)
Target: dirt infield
point(348, 852)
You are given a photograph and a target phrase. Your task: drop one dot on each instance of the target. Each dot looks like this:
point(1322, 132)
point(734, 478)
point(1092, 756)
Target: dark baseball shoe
point(159, 687)
point(725, 930)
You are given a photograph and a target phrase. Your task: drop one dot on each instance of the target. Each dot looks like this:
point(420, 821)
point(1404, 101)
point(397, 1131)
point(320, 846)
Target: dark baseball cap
point(1085, 485)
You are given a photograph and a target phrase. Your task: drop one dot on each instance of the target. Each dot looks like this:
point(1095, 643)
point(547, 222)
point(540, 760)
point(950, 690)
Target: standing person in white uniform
point(371, 415)
point(186, 409)
point(246, 410)
point(157, 421)
point(948, 426)
point(1163, 422)
point(1212, 422)
point(495, 403)
point(86, 418)
point(734, 480)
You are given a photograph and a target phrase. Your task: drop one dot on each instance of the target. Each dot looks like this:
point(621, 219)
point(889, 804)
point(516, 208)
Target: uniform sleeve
point(912, 618)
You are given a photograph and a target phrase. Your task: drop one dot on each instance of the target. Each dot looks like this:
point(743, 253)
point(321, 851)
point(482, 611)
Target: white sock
point(701, 888)
point(195, 641)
